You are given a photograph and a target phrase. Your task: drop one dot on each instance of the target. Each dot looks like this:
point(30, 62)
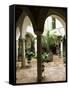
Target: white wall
point(4, 45)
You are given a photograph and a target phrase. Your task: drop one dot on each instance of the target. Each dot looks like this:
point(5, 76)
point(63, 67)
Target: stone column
point(35, 46)
point(57, 48)
point(61, 48)
point(53, 23)
point(21, 50)
point(23, 53)
point(17, 50)
point(39, 60)
point(58, 45)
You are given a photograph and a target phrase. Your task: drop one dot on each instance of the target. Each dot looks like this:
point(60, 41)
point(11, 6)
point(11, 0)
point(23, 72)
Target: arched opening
point(53, 47)
point(27, 56)
point(29, 36)
point(54, 28)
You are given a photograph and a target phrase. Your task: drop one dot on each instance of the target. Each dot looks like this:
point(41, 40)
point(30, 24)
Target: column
point(57, 48)
point(61, 48)
point(53, 23)
point(35, 46)
point(20, 44)
point(21, 50)
point(17, 50)
point(39, 60)
point(23, 53)
point(58, 45)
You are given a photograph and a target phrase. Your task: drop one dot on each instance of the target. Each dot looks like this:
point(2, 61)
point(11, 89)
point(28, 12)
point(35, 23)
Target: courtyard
point(40, 45)
point(53, 71)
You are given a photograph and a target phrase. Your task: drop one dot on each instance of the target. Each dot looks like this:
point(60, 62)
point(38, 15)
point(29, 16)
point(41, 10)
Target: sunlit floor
point(54, 71)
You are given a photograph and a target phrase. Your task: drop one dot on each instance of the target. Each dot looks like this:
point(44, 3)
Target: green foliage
point(29, 54)
point(44, 56)
point(31, 38)
point(47, 57)
point(48, 40)
point(29, 35)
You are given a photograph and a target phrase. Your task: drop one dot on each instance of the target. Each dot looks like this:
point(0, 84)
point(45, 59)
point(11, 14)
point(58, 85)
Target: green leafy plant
point(29, 55)
point(48, 40)
point(47, 57)
point(44, 56)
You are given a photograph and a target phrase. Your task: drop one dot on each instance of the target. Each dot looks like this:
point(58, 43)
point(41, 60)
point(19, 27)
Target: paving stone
point(53, 72)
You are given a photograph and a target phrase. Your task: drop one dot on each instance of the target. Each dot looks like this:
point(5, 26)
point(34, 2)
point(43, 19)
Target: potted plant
point(29, 55)
point(44, 57)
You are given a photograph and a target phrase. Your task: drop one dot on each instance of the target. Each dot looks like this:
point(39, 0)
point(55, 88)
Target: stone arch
point(26, 22)
point(26, 17)
point(59, 19)
point(26, 12)
point(59, 13)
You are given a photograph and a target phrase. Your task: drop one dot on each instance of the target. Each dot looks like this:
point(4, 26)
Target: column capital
point(38, 32)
